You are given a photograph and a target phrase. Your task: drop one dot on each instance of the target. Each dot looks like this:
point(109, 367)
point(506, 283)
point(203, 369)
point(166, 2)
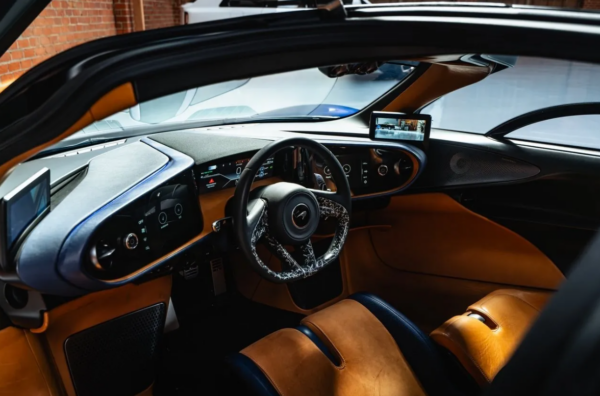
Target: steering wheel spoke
point(328, 196)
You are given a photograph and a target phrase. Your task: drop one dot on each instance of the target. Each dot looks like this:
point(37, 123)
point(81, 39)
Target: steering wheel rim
point(260, 217)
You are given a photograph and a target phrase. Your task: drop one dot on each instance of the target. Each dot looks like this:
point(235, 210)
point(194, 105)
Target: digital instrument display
point(399, 127)
point(222, 175)
point(22, 207)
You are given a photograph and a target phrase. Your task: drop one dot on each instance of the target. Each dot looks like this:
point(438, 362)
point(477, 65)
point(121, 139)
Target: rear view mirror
point(350, 68)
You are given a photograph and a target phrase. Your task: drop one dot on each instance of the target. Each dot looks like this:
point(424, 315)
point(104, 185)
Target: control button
point(178, 209)
point(218, 225)
point(382, 170)
point(130, 241)
point(347, 168)
point(162, 218)
point(327, 171)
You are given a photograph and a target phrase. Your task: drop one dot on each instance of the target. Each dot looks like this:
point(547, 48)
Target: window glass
point(531, 84)
point(298, 94)
point(578, 131)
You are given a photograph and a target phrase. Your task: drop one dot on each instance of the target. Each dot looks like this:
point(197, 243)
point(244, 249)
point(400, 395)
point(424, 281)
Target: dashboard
point(134, 209)
point(129, 212)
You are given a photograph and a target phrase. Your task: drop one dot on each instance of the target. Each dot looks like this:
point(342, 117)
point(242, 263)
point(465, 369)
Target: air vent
point(88, 149)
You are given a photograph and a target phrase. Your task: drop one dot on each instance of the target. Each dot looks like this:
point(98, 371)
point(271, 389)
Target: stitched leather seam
point(38, 363)
point(330, 344)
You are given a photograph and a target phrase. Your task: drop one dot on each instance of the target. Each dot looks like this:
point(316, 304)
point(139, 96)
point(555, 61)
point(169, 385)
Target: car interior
point(370, 254)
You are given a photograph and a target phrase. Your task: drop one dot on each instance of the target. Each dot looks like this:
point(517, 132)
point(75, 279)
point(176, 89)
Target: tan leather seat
point(483, 348)
point(359, 346)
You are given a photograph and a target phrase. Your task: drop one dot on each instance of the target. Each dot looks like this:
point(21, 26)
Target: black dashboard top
point(208, 147)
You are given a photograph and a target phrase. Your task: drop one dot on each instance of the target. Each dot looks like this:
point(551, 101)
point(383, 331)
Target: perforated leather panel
point(119, 357)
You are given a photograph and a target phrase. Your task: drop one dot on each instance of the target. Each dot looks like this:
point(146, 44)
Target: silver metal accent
point(301, 215)
point(96, 260)
point(477, 316)
point(556, 147)
point(382, 170)
point(171, 322)
point(218, 276)
point(217, 225)
point(131, 241)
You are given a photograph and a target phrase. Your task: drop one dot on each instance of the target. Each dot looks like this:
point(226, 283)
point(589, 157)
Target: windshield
point(299, 94)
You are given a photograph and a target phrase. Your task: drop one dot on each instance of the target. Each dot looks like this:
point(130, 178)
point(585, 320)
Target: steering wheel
point(289, 214)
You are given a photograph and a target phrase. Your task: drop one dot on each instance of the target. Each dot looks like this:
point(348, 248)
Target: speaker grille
point(454, 165)
point(118, 357)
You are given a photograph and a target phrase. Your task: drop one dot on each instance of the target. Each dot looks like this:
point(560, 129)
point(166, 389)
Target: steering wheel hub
point(301, 216)
point(293, 212)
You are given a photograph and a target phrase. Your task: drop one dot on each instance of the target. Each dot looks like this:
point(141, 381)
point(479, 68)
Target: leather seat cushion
point(362, 356)
point(484, 348)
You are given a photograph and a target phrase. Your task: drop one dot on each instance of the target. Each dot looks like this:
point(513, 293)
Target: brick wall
point(123, 12)
point(67, 23)
point(62, 25)
point(162, 13)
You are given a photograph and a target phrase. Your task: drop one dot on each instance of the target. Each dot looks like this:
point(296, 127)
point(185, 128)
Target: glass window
point(532, 84)
point(578, 131)
point(299, 94)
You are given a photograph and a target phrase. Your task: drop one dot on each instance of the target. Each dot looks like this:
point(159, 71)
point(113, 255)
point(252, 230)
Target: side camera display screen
point(25, 204)
point(400, 127)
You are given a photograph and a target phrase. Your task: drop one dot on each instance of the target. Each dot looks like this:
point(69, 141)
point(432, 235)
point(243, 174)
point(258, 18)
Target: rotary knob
point(130, 241)
point(382, 170)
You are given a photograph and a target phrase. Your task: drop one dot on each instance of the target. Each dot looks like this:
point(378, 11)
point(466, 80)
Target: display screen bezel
point(398, 116)
point(9, 249)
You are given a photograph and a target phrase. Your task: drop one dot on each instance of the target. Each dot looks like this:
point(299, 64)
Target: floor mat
point(191, 360)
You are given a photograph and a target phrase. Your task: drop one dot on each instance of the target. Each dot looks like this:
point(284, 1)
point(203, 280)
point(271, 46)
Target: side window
point(577, 131)
point(532, 84)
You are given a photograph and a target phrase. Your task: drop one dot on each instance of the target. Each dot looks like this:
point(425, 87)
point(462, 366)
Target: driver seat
point(359, 346)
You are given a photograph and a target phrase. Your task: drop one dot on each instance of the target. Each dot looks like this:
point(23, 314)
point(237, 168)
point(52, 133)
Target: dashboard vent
point(88, 149)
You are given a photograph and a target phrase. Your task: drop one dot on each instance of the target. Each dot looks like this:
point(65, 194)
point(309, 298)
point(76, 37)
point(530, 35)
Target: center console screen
point(222, 175)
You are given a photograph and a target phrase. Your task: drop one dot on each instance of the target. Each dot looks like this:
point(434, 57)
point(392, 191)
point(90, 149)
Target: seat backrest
point(560, 355)
point(484, 338)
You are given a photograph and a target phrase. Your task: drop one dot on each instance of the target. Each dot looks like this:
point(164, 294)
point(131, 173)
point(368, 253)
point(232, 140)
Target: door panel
point(559, 214)
point(24, 369)
point(432, 234)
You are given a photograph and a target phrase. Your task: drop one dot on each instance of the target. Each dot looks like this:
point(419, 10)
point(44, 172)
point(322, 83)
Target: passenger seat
point(484, 338)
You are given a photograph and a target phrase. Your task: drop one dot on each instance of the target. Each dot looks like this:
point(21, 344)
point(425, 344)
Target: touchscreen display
point(401, 127)
point(25, 204)
point(226, 174)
